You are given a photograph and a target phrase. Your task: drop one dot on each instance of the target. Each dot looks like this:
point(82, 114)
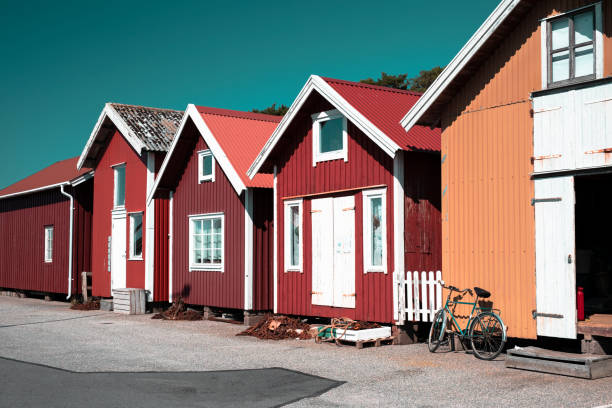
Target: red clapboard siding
point(211, 288)
point(263, 249)
point(117, 151)
point(161, 261)
point(22, 223)
point(367, 166)
point(423, 228)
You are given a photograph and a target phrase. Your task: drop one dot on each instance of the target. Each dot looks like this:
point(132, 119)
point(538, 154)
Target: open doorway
point(594, 241)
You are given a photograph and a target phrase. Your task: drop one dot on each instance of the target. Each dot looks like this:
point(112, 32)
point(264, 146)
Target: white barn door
point(344, 252)
point(333, 251)
point(322, 215)
point(555, 257)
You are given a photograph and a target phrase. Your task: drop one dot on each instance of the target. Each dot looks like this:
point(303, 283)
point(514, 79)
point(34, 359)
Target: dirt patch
point(178, 311)
point(91, 305)
point(278, 328)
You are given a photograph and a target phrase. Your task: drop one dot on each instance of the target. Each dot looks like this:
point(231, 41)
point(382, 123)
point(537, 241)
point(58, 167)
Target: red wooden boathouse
point(221, 220)
point(357, 200)
point(38, 250)
point(130, 238)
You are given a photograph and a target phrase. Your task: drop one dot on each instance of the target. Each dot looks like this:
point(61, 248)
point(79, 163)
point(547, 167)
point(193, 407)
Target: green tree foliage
point(273, 110)
point(420, 83)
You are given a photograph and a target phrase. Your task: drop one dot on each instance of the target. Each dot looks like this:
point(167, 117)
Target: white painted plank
point(322, 218)
point(344, 252)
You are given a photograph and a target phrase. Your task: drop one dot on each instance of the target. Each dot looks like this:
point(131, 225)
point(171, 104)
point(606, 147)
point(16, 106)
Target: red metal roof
point(60, 172)
point(241, 135)
point(385, 107)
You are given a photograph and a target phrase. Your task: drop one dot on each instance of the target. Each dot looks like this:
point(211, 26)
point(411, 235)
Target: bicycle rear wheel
point(487, 336)
point(437, 332)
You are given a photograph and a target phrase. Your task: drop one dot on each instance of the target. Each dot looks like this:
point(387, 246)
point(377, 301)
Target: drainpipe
point(70, 240)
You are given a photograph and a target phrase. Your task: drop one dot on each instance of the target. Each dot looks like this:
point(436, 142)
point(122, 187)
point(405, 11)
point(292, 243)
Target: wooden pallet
point(588, 366)
point(360, 343)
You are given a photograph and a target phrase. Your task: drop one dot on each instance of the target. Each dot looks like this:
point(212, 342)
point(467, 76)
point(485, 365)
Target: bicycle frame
point(475, 307)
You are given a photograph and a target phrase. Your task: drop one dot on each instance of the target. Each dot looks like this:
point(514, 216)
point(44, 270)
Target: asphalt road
point(33, 385)
point(119, 360)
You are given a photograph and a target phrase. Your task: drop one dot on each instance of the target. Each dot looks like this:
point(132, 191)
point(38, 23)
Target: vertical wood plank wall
point(487, 218)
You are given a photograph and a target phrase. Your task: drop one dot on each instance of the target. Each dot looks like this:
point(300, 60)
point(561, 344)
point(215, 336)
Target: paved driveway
point(50, 334)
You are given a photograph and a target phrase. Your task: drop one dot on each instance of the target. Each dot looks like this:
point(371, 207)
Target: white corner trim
point(275, 240)
point(484, 32)
point(398, 229)
point(248, 249)
point(110, 113)
point(599, 42)
point(170, 242)
point(150, 229)
point(316, 83)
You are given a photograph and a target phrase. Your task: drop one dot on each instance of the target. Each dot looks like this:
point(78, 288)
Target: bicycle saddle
point(481, 293)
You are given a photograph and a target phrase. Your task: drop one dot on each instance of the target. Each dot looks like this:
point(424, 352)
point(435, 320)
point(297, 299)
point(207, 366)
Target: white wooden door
point(322, 215)
point(118, 258)
point(333, 251)
point(555, 257)
point(344, 252)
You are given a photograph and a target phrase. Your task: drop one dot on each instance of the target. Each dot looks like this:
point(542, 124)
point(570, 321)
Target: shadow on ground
point(34, 385)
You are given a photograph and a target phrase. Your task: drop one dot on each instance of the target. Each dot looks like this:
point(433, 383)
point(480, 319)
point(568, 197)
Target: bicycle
point(486, 331)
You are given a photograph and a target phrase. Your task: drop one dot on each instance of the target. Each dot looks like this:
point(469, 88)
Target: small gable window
point(206, 166)
point(573, 46)
point(329, 137)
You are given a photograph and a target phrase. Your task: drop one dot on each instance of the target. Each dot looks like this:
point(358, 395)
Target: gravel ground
point(49, 333)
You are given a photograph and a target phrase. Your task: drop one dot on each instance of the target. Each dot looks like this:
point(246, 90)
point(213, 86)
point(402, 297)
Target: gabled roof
point(144, 128)
point(61, 172)
point(484, 41)
point(375, 110)
point(234, 138)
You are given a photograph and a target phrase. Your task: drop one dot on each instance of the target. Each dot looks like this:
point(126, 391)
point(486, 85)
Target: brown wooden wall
point(487, 218)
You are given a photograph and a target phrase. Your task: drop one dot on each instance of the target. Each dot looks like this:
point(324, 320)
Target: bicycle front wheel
point(437, 330)
point(487, 335)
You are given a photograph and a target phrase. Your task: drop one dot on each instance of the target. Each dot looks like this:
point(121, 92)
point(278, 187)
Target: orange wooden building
point(526, 116)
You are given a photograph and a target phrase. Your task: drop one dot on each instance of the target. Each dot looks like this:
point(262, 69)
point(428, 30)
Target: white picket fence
point(422, 295)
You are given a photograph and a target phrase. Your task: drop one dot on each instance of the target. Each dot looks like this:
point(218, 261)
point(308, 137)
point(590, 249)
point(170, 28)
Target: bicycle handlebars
point(452, 288)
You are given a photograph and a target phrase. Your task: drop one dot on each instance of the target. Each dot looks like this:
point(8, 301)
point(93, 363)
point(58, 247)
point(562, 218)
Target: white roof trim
point(74, 182)
point(82, 178)
point(124, 129)
point(213, 145)
point(457, 64)
point(320, 85)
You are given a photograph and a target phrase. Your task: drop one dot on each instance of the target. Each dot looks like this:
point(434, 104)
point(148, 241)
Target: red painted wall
point(117, 151)
point(22, 222)
point(423, 222)
point(161, 261)
point(218, 289)
point(367, 166)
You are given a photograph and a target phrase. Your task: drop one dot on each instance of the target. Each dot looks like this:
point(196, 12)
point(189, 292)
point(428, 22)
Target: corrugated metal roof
point(241, 135)
point(60, 172)
point(154, 127)
point(385, 107)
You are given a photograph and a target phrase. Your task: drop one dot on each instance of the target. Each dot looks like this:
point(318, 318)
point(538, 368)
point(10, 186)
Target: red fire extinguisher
point(580, 303)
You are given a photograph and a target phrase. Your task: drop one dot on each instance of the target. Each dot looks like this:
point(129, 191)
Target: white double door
point(118, 249)
point(333, 251)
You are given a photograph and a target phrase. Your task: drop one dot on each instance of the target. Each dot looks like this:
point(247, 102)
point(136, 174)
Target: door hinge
point(535, 314)
point(545, 200)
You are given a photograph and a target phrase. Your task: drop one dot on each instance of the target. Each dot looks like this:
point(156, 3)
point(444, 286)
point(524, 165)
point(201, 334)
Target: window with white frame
point(119, 200)
point(329, 137)
point(136, 236)
point(206, 166)
point(573, 46)
point(293, 235)
point(206, 242)
point(375, 231)
point(49, 243)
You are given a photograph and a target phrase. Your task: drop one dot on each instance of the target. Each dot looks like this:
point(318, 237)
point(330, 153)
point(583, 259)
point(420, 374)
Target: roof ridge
point(377, 87)
point(232, 113)
point(145, 107)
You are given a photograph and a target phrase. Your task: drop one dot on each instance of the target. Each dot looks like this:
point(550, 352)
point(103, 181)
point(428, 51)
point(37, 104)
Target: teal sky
point(61, 61)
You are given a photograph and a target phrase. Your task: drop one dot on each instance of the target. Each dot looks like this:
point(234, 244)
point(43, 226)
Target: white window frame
point(133, 256)
point(367, 231)
point(204, 267)
point(598, 46)
point(49, 230)
point(115, 191)
point(201, 155)
point(319, 118)
point(287, 234)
